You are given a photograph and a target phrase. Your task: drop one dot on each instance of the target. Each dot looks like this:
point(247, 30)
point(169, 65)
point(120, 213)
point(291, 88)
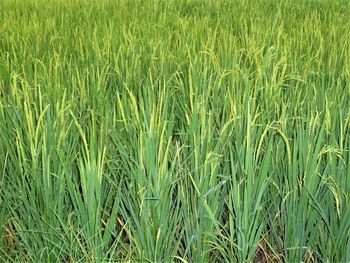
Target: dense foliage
point(180, 130)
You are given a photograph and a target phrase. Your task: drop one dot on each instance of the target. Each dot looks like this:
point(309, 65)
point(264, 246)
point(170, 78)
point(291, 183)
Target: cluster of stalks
point(175, 131)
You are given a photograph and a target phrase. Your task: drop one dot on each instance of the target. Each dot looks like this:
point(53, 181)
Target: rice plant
point(175, 131)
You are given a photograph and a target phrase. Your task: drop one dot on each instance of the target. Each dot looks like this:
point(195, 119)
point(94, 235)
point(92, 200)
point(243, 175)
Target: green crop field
point(175, 131)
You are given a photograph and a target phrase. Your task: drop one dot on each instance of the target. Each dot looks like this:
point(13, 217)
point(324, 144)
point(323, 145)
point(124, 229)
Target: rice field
point(175, 131)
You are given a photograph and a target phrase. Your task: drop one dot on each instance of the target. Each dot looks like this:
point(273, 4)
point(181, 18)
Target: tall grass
point(174, 131)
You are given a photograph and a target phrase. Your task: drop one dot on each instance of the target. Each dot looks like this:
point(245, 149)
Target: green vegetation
point(175, 131)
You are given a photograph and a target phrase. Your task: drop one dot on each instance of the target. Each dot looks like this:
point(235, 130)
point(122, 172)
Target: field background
point(180, 130)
